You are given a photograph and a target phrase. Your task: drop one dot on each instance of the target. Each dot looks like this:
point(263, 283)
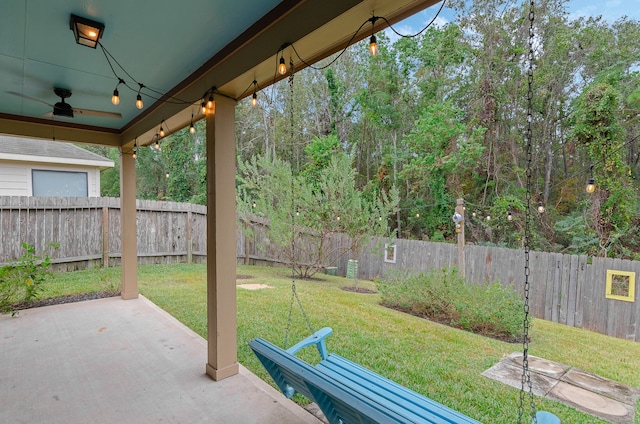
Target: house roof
point(22, 149)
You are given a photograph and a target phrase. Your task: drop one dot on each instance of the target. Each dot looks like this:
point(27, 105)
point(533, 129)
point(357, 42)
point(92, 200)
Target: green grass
point(437, 361)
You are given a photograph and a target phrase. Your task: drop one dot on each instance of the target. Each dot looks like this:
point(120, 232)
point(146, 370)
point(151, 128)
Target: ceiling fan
point(65, 110)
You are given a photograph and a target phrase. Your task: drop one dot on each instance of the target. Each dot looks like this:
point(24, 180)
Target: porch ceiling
point(179, 48)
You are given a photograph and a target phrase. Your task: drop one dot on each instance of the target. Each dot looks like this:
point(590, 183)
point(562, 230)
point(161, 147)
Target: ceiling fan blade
point(33, 99)
point(99, 113)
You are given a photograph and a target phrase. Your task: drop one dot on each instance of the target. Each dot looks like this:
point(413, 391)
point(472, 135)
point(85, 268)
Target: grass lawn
point(437, 361)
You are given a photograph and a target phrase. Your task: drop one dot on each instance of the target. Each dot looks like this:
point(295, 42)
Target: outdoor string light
point(192, 128)
point(591, 185)
point(282, 67)
point(139, 103)
point(115, 99)
point(373, 43)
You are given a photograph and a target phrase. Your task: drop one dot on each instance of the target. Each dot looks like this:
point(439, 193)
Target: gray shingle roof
point(47, 148)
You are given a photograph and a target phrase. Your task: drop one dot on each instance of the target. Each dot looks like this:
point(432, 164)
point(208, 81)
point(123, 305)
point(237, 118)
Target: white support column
point(222, 355)
point(128, 229)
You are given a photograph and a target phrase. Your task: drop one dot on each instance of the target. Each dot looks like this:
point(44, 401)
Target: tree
point(304, 211)
point(597, 127)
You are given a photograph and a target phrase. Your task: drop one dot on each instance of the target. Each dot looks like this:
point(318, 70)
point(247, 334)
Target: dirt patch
point(254, 286)
point(360, 290)
point(80, 297)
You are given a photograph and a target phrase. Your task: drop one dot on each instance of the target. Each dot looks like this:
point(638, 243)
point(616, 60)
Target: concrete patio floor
point(117, 361)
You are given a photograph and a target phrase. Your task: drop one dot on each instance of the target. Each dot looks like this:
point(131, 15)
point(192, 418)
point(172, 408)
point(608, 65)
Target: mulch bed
point(447, 322)
point(360, 290)
point(80, 297)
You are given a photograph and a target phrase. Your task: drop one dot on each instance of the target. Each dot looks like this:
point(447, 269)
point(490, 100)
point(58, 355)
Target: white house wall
point(15, 177)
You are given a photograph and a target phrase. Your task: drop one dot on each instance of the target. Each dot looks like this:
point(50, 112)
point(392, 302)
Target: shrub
point(21, 281)
point(444, 296)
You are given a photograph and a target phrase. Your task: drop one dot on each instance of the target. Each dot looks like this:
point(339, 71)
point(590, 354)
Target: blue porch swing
point(348, 393)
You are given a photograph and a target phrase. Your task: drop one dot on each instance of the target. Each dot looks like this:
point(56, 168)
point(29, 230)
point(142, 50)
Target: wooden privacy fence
point(87, 230)
point(568, 289)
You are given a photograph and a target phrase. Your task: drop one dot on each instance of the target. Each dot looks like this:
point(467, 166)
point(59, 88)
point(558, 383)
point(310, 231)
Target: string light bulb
point(139, 103)
point(591, 185)
point(417, 215)
point(167, 174)
point(162, 133)
point(338, 218)
point(254, 97)
point(156, 145)
point(373, 45)
point(282, 67)
point(373, 42)
point(115, 99)
point(210, 102)
point(192, 128)
point(540, 207)
point(203, 107)
point(509, 216)
point(488, 217)
point(135, 149)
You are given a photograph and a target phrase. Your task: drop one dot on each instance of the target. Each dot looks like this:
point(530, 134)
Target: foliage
point(322, 202)
point(22, 280)
point(444, 296)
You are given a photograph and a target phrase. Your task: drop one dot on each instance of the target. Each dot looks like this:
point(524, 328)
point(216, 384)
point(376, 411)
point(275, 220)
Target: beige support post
point(105, 236)
point(460, 231)
point(222, 355)
point(128, 231)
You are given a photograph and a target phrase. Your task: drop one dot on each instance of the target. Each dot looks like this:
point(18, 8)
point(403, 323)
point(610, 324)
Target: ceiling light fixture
point(86, 31)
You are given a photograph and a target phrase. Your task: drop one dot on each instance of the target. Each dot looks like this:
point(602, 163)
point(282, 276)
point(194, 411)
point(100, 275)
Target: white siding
point(15, 178)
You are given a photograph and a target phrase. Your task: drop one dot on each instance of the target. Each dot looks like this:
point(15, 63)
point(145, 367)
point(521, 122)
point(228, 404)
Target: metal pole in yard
point(460, 231)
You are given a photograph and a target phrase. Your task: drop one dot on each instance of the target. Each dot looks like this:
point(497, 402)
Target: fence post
point(460, 231)
point(105, 236)
point(189, 237)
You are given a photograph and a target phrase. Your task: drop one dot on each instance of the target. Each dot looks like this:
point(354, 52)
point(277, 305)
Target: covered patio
point(109, 361)
point(125, 360)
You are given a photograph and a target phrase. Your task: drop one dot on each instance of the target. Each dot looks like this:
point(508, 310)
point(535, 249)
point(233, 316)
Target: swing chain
point(294, 291)
point(526, 375)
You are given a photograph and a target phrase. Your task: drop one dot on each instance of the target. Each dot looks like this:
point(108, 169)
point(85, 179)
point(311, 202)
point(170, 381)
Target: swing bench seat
point(346, 392)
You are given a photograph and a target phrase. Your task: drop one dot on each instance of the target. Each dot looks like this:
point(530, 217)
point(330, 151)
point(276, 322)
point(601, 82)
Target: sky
point(611, 10)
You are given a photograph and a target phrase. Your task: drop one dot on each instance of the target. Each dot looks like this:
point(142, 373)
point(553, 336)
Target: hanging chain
point(526, 375)
point(294, 292)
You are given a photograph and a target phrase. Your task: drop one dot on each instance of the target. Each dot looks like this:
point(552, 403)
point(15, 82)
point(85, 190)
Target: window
point(621, 285)
point(59, 183)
